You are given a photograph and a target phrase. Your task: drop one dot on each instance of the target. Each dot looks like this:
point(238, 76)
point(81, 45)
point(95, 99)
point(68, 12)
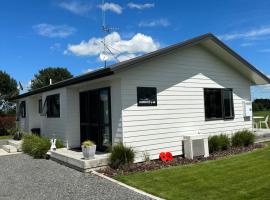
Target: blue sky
point(67, 33)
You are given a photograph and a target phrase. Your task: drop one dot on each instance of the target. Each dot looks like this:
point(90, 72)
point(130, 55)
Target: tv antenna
point(106, 29)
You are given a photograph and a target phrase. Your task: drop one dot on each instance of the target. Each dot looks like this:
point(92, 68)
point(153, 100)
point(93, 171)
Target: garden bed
point(177, 161)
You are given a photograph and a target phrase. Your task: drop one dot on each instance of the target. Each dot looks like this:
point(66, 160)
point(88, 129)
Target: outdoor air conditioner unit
point(247, 108)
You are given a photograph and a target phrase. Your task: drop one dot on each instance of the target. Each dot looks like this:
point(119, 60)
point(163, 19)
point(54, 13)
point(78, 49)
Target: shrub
point(218, 143)
point(121, 155)
point(59, 144)
point(88, 143)
point(6, 122)
point(18, 135)
point(35, 146)
point(224, 142)
point(213, 143)
point(243, 138)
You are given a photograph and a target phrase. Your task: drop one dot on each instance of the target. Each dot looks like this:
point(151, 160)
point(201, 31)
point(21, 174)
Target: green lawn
point(261, 113)
point(245, 176)
point(5, 137)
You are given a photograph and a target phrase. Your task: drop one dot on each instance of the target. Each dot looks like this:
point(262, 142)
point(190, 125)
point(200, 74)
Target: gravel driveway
point(22, 177)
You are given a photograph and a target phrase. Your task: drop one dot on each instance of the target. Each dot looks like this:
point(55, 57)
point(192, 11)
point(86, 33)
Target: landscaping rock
point(177, 161)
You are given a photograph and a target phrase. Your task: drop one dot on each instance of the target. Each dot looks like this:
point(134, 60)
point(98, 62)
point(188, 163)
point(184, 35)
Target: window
point(146, 96)
point(22, 109)
point(40, 106)
point(218, 104)
point(53, 105)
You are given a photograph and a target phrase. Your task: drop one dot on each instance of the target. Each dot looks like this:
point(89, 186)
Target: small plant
point(218, 143)
point(35, 146)
point(121, 155)
point(243, 138)
point(18, 135)
point(88, 143)
point(59, 144)
point(146, 156)
point(213, 143)
point(224, 142)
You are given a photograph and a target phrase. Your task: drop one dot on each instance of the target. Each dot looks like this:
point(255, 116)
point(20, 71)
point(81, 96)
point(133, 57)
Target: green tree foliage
point(42, 78)
point(8, 89)
point(8, 86)
point(261, 104)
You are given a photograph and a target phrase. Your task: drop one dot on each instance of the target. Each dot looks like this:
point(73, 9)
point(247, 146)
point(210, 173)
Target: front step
point(9, 148)
point(16, 143)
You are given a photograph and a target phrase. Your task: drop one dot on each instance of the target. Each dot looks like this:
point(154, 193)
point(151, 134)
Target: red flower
point(169, 156)
point(163, 156)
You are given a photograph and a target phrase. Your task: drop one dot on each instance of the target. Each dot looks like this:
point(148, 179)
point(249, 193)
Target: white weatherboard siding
point(73, 109)
point(67, 126)
point(55, 126)
point(23, 123)
point(33, 115)
point(180, 78)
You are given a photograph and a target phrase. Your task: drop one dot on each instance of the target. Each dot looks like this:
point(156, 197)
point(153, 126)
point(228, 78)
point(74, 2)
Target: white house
point(149, 102)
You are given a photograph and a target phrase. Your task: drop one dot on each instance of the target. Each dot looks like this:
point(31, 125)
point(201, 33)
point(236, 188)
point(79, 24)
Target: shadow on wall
point(183, 73)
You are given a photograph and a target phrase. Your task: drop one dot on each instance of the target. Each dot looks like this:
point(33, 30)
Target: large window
point(146, 96)
point(22, 109)
point(53, 105)
point(218, 104)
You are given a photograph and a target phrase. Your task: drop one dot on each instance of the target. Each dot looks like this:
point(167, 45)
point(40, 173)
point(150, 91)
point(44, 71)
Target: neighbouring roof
point(208, 40)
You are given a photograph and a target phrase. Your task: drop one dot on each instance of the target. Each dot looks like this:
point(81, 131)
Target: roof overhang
point(209, 41)
point(233, 59)
point(83, 78)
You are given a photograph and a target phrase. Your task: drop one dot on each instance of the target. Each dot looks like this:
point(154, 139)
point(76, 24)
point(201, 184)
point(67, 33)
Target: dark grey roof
point(110, 70)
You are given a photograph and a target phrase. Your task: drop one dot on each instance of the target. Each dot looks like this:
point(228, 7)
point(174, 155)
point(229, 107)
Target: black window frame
point(223, 117)
point(40, 106)
point(141, 91)
point(49, 102)
point(22, 109)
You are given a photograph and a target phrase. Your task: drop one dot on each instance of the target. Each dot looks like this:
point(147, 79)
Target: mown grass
point(262, 113)
point(245, 176)
point(6, 137)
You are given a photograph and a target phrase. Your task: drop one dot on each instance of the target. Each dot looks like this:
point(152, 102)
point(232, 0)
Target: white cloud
point(124, 57)
point(140, 6)
point(122, 49)
point(55, 47)
point(53, 31)
point(247, 44)
point(75, 7)
point(88, 70)
point(265, 51)
point(111, 7)
point(154, 23)
point(251, 34)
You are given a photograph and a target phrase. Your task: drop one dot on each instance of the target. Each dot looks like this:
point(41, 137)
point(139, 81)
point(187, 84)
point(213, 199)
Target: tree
point(8, 89)
point(42, 78)
point(261, 105)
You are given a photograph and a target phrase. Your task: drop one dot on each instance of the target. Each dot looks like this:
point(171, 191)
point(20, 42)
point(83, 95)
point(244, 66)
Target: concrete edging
point(126, 186)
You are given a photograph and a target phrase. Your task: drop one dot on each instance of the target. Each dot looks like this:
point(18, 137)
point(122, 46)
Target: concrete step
point(16, 143)
point(3, 152)
point(9, 148)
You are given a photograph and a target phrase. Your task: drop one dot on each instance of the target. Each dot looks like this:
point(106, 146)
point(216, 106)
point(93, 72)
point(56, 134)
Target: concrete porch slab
point(262, 135)
point(16, 143)
point(75, 159)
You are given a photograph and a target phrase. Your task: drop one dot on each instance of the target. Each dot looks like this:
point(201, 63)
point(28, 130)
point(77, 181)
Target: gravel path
point(22, 177)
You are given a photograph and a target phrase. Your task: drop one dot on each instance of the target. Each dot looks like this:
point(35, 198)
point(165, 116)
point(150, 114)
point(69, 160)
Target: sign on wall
point(146, 96)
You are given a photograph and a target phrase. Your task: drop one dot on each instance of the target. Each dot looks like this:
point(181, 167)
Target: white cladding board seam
point(194, 69)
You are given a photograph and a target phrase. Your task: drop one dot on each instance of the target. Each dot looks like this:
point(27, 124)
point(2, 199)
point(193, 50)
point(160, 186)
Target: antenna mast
point(106, 29)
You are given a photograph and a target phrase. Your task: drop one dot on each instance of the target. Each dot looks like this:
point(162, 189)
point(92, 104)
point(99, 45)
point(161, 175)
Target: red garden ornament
point(166, 156)
point(169, 156)
point(162, 156)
